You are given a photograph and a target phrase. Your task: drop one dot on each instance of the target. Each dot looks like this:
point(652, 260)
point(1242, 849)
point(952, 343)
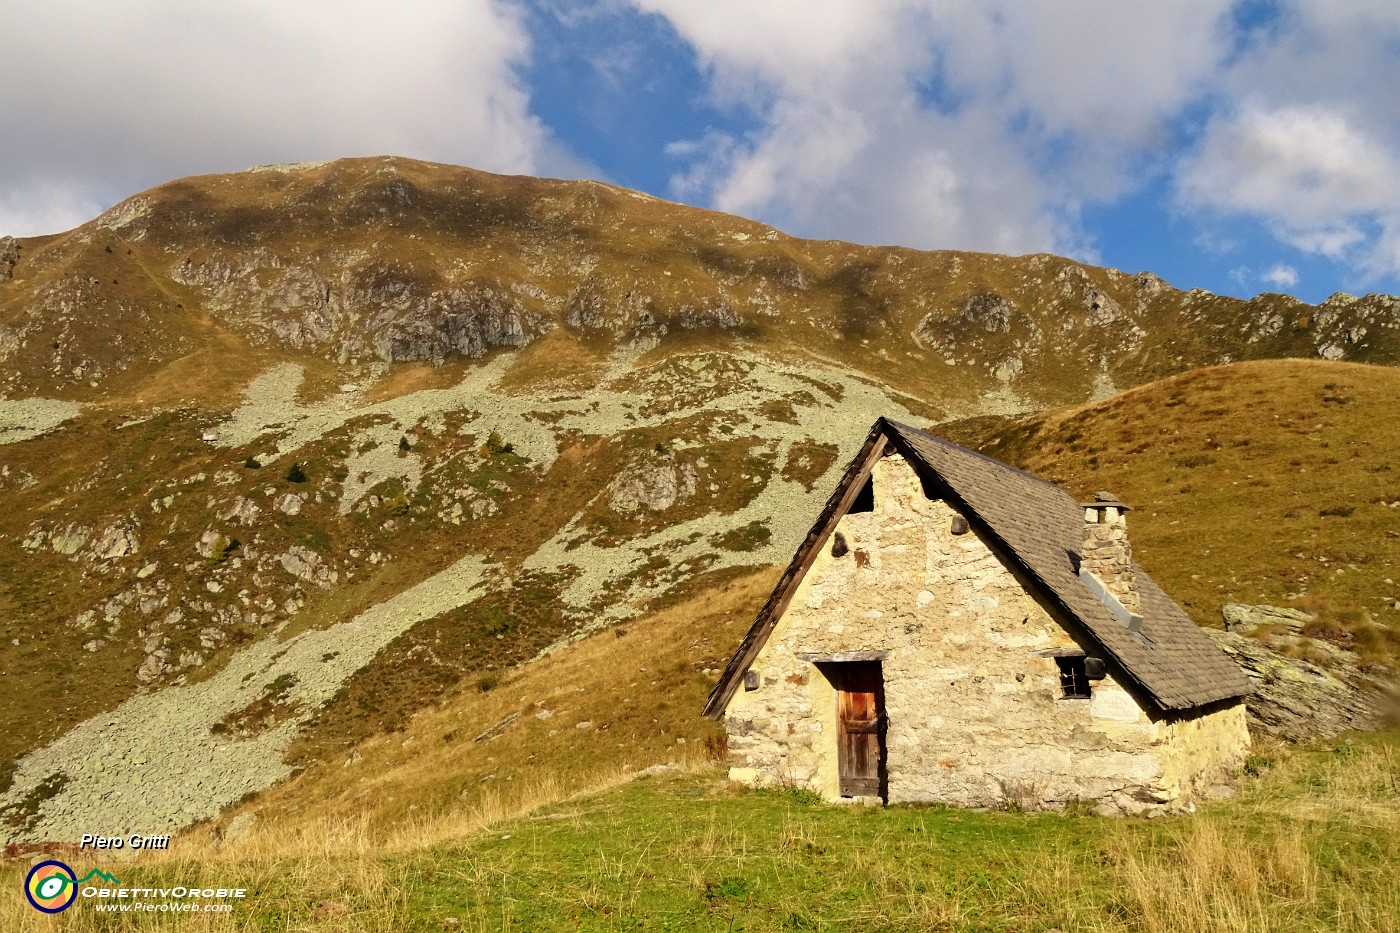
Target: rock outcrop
point(9, 257)
point(118, 540)
point(656, 488)
point(1304, 688)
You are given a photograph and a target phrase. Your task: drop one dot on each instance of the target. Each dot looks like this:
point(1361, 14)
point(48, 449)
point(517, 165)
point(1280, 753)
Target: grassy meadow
point(1312, 842)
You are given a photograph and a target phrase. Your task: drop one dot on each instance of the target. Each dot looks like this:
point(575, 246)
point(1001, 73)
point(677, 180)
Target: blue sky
point(1234, 146)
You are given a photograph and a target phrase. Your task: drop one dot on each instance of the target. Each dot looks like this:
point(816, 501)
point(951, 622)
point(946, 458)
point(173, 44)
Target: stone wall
point(1199, 752)
point(976, 713)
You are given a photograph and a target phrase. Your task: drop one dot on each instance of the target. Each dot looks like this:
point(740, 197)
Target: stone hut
point(954, 629)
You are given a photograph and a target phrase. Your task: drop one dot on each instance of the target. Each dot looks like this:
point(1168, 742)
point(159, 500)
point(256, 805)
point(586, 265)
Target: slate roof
point(1037, 527)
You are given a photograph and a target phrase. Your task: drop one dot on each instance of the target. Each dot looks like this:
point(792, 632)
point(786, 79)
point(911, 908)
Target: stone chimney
point(1106, 555)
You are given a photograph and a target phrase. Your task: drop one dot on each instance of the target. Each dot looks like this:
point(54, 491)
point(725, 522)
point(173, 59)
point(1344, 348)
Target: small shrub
point(404, 445)
point(497, 445)
point(252, 464)
point(802, 795)
point(280, 685)
point(295, 474)
point(792, 793)
point(1327, 630)
point(732, 886)
point(488, 683)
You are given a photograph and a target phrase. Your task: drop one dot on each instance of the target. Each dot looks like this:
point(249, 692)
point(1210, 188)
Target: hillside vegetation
point(180, 292)
point(1267, 482)
point(581, 792)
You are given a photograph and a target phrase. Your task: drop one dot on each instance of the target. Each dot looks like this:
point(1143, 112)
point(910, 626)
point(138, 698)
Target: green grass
point(685, 854)
point(1312, 843)
point(688, 853)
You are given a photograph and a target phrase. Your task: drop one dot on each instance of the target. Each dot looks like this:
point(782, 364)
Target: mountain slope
point(1269, 482)
point(290, 455)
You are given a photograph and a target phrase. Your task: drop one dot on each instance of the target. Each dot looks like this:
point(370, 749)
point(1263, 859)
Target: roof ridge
point(943, 441)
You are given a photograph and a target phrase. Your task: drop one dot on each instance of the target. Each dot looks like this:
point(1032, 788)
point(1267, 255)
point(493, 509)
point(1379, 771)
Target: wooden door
point(860, 728)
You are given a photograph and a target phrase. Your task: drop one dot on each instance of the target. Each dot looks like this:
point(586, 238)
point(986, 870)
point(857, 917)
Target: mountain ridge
point(392, 260)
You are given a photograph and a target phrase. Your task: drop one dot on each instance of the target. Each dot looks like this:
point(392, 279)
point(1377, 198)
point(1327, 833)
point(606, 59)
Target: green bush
point(252, 464)
point(496, 445)
point(222, 547)
point(295, 474)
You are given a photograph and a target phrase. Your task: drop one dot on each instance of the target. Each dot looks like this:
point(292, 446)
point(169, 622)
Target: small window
point(1074, 679)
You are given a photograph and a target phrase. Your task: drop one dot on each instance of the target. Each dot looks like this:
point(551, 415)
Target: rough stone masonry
point(977, 715)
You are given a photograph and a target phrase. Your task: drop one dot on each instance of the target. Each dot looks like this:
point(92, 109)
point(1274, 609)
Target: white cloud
point(1306, 137)
point(101, 98)
point(940, 123)
point(1308, 166)
point(1281, 275)
point(38, 207)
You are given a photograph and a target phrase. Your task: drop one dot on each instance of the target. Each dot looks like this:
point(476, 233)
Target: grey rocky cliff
point(1324, 693)
point(372, 310)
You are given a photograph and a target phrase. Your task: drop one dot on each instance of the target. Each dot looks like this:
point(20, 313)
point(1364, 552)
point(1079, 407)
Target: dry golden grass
point(560, 361)
point(407, 378)
point(1262, 482)
point(638, 687)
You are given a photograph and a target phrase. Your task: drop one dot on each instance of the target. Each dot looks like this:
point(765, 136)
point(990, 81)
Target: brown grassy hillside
point(1274, 482)
point(393, 259)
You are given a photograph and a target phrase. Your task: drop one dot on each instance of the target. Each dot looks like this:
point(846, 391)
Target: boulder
point(119, 540)
point(1245, 619)
point(305, 564)
point(655, 488)
point(70, 540)
point(9, 257)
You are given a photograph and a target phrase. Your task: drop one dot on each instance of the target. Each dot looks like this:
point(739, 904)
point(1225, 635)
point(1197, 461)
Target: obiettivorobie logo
point(52, 886)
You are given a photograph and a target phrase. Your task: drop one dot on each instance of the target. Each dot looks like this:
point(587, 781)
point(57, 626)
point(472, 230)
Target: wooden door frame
point(831, 668)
